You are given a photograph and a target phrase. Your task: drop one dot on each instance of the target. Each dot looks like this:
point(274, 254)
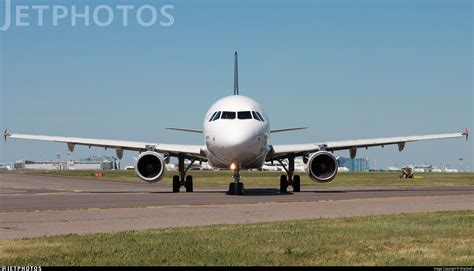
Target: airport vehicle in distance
point(236, 133)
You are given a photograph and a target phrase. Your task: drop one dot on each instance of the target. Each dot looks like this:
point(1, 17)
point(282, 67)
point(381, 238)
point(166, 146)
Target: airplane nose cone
point(234, 139)
point(238, 146)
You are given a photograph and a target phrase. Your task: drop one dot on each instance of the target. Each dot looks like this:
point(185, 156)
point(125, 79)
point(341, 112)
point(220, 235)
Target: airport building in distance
point(356, 164)
point(89, 163)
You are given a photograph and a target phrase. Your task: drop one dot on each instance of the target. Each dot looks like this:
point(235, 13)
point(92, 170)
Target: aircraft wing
point(190, 151)
point(283, 151)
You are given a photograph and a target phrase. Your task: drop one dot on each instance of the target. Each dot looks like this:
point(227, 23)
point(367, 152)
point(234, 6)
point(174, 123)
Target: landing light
point(232, 166)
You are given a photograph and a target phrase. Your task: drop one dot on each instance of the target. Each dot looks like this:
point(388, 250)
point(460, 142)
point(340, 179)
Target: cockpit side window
point(212, 117)
point(244, 115)
point(217, 116)
point(228, 115)
point(255, 116)
point(260, 116)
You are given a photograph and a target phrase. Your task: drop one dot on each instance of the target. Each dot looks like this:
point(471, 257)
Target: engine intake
point(150, 167)
point(322, 167)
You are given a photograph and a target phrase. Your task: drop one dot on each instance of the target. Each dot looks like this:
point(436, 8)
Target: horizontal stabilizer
point(185, 130)
point(288, 129)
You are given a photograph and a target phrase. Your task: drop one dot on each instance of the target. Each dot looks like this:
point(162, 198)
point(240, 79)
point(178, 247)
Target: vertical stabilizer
point(236, 76)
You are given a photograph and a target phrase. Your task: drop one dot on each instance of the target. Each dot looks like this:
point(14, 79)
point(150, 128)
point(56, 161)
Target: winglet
point(466, 133)
point(236, 76)
point(5, 135)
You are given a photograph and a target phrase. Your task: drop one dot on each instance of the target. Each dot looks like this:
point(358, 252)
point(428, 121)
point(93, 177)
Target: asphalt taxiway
point(37, 205)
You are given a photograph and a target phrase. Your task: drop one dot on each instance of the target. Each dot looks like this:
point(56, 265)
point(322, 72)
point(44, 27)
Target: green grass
point(442, 238)
point(271, 179)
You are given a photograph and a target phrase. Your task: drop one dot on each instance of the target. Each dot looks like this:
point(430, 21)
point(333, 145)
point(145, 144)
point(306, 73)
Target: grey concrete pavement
point(15, 225)
point(33, 205)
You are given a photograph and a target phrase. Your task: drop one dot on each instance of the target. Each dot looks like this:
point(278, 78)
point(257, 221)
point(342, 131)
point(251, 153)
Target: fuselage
point(236, 131)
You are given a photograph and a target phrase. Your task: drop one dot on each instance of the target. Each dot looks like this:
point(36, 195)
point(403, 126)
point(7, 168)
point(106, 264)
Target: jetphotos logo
point(79, 13)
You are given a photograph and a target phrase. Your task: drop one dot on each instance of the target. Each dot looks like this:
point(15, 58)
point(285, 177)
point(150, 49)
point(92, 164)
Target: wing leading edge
point(283, 151)
point(192, 151)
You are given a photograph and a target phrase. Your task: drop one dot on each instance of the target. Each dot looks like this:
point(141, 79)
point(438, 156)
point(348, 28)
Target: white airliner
point(236, 134)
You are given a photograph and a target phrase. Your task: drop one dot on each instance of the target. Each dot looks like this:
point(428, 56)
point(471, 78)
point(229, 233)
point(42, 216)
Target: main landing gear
point(236, 187)
point(289, 179)
point(183, 179)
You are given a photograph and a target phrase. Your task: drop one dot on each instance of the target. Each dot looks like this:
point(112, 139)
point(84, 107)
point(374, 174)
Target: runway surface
point(35, 205)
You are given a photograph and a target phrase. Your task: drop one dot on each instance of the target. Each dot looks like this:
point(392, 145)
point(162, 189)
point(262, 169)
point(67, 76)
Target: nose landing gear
point(236, 187)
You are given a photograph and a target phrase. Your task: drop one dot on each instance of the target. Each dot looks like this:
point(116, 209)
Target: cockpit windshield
point(255, 116)
point(217, 116)
point(241, 115)
point(212, 117)
point(228, 115)
point(244, 115)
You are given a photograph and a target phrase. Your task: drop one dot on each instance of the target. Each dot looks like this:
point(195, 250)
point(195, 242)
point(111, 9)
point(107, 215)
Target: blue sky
point(346, 69)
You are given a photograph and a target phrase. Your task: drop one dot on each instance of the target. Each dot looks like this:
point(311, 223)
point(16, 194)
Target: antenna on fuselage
point(236, 76)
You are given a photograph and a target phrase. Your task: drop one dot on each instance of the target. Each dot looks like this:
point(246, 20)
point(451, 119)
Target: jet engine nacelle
point(150, 166)
point(322, 167)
